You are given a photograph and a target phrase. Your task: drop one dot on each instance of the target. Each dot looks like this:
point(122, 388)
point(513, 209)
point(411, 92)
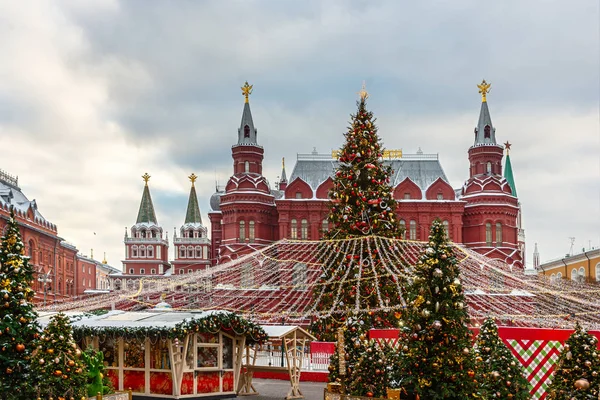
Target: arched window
point(142, 270)
point(552, 278)
point(182, 252)
point(198, 252)
point(558, 276)
point(325, 225)
point(30, 251)
point(581, 274)
point(242, 236)
point(246, 166)
point(488, 167)
point(413, 230)
point(574, 274)
point(598, 272)
point(251, 231)
point(304, 229)
point(246, 131)
point(299, 276)
point(487, 132)
point(83, 282)
point(150, 251)
point(131, 270)
point(153, 271)
point(181, 271)
point(498, 234)
point(142, 251)
point(190, 271)
point(134, 251)
point(403, 228)
point(190, 252)
point(247, 278)
point(488, 234)
point(446, 228)
point(294, 229)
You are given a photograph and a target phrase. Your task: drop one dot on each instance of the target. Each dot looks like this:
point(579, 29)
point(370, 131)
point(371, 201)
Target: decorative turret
point(146, 213)
point(485, 155)
point(283, 180)
point(536, 258)
point(247, 132)
point(146, 251)
point(192, 246)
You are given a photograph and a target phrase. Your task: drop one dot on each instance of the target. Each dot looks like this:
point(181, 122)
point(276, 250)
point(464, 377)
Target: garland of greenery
point(212, 323)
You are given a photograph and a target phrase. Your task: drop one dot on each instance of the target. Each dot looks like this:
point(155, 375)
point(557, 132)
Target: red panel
point(208, 382)
point(228, 382)
point(161, 383)
point(322, 347)
point(187, 383)
point(136, 380)
point(113, 376)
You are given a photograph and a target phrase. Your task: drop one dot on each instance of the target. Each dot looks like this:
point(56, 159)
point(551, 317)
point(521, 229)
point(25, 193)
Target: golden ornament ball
point(582, 384)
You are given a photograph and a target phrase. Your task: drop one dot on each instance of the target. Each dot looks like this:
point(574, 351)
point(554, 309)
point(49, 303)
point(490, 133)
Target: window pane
point(207, 357)
point(227, 353)
point(135, 353)
point(207, 338)
point(159, 355)
point(109, 347)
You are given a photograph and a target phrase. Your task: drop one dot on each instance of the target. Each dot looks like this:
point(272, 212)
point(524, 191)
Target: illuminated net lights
point(276, 284)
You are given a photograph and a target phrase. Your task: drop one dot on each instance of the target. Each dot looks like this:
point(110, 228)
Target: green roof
point(508, 174)
point(193, 210)
point(146, 213)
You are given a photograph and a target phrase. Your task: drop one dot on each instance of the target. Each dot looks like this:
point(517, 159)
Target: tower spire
point(485, 132)
point(283, 179)
point(247, 132)
point(193, 209)
point(508, 173)
point(146, 212)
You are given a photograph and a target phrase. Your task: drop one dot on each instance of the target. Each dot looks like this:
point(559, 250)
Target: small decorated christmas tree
point(438, 361)
point(502, 374)
point(18, 325)
point(577, 371)
point(57, 362)
point(370, 377)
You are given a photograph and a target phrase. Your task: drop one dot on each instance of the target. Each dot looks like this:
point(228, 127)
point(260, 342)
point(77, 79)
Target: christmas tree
point(354, 280)
point(437, 361)
point(369, 377)
point(577, 371)
point(57, 362)
point(502, 374)
point(18, 325)
point(356, 291)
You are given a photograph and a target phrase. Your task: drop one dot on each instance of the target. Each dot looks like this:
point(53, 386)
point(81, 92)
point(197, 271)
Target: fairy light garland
point(285, 274)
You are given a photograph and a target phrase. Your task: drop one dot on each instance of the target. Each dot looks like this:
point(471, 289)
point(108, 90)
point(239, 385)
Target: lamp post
point(45, 278)
point(282, 338)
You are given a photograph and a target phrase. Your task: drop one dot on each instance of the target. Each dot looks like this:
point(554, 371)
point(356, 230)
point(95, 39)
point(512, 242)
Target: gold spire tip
point(507, 147)
point(282, 162)
point(363, 92)
point(247, 90)
point(484, 89)
point(193, 178)
point(146, 178)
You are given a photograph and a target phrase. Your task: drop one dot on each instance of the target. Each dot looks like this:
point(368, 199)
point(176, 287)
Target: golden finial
point(363, 92)
point(484, 89)
point(146, 178)
point(247, 90)
point(507, 146)
point(193, 178)
point(282, 162)
point(104, 260)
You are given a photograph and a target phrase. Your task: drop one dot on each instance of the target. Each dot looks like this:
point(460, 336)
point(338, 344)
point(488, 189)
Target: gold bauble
point(582, 384)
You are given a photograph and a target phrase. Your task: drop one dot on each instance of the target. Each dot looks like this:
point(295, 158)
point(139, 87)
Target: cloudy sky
point(93, 94)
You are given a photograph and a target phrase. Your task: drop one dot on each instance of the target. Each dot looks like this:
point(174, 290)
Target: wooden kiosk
point(293, 340)
point(169, 354)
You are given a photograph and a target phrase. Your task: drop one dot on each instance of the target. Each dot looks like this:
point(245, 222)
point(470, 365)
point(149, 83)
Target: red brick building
point(484, 214)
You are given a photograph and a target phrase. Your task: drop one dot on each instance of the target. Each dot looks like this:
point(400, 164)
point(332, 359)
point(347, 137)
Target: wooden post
point(130, 394)
point(98, 396)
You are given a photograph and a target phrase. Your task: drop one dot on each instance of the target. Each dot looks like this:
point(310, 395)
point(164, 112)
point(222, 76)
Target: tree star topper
point(193, 178)
point(247, 90)
point(484, 89)
point(146, 178)
point(363, 92)
point(507, 147)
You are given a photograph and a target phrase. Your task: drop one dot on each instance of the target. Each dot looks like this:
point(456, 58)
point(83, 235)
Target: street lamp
point(45, 278)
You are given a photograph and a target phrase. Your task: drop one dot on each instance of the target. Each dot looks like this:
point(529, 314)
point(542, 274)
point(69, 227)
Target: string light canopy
point(277, 283)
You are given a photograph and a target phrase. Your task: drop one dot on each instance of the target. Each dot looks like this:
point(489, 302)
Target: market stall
point(168, 354)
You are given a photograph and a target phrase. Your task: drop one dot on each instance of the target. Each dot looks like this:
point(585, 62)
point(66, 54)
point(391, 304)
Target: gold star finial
point(146, 178)
point(363, 92)
point(507, 146)
point(484, 89)
point(282, 162)
point(247, 90)
point(193, 178)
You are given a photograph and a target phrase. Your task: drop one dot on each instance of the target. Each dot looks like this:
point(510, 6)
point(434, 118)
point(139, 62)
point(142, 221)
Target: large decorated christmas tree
point(356, 291)
point(577, 371)
point(502, 374)
point(18, 326)
point(437, 361)
point(57, 362)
